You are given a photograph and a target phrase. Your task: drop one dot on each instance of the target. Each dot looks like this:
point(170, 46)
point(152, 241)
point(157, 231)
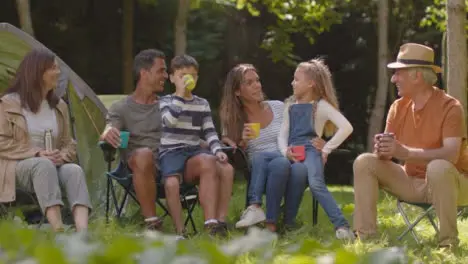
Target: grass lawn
point(390, 222)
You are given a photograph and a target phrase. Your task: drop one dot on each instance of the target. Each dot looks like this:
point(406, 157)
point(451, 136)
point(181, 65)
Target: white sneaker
point(344, 233)
point(180, 237)
point(251, 216)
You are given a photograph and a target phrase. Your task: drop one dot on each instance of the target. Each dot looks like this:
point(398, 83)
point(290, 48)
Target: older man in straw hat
point(425, 131)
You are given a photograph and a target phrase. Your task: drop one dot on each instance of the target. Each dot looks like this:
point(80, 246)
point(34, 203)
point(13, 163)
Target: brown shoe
point(154, 225)
point(223, 229)
point(448, 247)
point(216, 229)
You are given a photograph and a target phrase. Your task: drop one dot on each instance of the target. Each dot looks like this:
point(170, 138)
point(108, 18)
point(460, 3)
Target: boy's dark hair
point(145, 59)
point(183, 61)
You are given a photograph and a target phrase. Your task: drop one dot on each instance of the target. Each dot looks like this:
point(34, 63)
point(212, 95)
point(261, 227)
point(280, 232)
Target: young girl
point(307, 115)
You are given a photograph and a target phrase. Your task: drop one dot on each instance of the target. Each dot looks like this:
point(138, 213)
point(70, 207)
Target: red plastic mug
point(299, 150)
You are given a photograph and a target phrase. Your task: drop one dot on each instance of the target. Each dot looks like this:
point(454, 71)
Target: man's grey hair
point(428, 75)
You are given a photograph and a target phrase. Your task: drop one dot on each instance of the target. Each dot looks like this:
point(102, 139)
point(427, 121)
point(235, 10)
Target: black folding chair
point(314, 211)
point(239, 157)
point(123, 176)
point(27, 203)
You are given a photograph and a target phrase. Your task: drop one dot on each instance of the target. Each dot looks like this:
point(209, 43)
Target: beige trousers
point(444, 187)
point(41, 176)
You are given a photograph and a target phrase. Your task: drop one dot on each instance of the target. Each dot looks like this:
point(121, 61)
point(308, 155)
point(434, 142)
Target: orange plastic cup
point(300, 150)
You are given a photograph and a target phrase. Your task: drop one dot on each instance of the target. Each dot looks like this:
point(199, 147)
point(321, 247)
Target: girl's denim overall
point(301, 131)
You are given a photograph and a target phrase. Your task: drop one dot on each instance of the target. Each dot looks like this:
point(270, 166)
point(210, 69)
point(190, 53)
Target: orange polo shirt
point(440, 118)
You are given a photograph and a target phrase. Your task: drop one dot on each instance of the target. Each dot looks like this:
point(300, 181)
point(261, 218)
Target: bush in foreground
point(19, 244)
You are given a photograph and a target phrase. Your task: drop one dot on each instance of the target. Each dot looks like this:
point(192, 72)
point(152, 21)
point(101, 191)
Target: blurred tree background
point(98, 39)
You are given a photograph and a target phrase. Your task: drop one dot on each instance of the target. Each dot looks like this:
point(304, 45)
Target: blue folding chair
point(123, 176)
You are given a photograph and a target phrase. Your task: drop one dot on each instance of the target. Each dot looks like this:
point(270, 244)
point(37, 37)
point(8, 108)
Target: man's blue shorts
point(172, 162)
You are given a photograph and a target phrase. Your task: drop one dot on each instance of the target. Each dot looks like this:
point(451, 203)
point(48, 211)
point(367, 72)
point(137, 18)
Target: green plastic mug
point(124, 136)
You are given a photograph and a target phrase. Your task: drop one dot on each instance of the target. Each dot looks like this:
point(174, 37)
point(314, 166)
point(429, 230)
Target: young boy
point(186, 121)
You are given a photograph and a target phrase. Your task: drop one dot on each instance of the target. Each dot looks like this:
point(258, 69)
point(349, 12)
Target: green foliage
point(205, 44)
point(306, 18)
point(436, 15)
point(18, 243)
point(123, 242)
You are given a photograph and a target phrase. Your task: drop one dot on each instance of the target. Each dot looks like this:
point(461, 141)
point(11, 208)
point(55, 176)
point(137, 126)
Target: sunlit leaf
point(240, 4)
point(345, 257)
point(46, 253)
point(301, 259)
point(310, 245)
point(253, 11)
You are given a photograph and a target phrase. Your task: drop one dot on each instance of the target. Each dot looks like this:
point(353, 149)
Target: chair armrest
point(233, 151)
point(247, 167)
point(227, 149)
point(108, 151)
point(239, 159)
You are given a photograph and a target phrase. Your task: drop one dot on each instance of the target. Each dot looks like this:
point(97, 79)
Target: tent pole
point(72, 120)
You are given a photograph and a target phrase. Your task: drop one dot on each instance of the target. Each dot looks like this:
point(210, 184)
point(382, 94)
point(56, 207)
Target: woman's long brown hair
point(28, 81)
point(231, 113)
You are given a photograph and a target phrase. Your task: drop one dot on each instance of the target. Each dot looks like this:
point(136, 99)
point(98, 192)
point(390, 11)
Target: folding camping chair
point(123, 176)
point(28, 204)
point(240, 154)
point(428, 212)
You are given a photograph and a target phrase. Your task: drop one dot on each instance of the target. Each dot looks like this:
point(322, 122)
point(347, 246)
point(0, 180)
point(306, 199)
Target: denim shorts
point(172, 162)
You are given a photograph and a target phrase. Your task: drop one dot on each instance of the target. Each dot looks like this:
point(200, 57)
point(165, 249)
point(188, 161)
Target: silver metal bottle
point(48, 140)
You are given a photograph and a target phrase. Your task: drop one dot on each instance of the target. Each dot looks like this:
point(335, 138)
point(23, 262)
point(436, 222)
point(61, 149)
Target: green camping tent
point(87, 112)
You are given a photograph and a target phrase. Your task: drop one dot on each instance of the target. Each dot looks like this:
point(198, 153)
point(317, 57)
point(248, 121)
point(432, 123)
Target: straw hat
point(415, 55)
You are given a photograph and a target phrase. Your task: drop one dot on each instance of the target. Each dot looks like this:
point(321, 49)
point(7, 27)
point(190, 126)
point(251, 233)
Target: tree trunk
point(443, 60)
point(180, 27)
point(378, 112)
point(457, 50)
point(127, 46)
point(24, 14)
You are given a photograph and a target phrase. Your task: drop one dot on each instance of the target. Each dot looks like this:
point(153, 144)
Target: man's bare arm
point(450, 151)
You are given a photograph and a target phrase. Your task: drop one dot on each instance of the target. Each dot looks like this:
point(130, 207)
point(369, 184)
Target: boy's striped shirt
point(186, 123)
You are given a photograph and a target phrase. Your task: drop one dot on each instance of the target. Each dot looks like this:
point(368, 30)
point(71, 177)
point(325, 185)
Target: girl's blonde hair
point(317, 71)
